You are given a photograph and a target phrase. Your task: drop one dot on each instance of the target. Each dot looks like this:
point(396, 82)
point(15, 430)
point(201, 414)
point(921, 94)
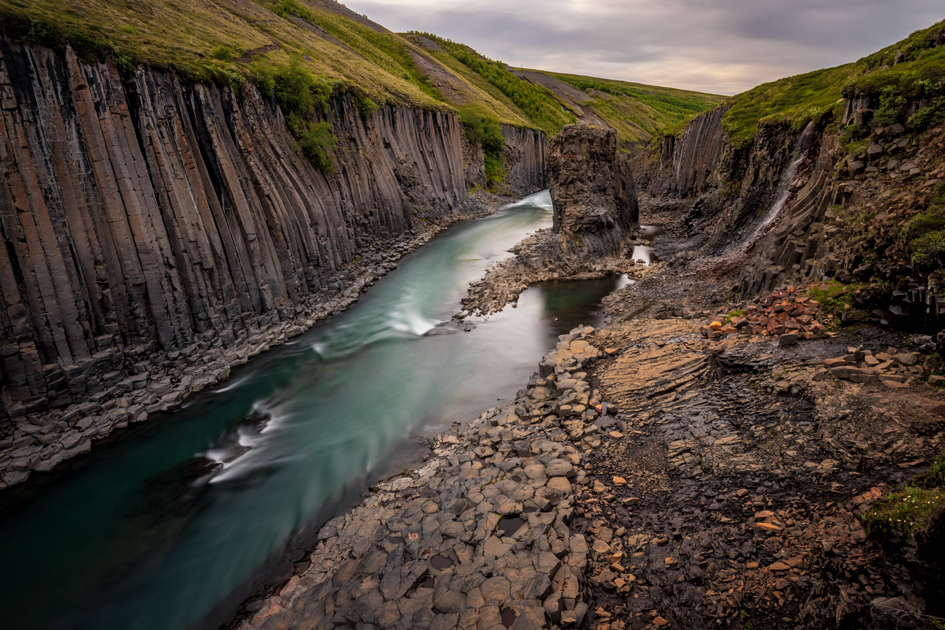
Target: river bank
point(164, 387)
point(478, 537)
point(647, 476)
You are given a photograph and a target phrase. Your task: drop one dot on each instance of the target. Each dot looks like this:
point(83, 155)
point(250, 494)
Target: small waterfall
point(738, 254)
point(784, 188)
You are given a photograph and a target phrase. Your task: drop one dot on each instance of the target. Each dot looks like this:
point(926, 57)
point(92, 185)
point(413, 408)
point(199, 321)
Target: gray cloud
point(720, 46)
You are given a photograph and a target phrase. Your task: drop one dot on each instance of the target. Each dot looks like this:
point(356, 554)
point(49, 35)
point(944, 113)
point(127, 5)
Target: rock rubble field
point(785, 314)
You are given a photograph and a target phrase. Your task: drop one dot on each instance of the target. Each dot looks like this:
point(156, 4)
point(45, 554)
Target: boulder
point(591, 183)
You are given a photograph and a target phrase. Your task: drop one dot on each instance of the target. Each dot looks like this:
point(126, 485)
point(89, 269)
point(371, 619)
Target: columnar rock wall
point(799, 248)
point(525, 151)
point(688, 165)
point(152, 228)
point(591, 188)
point(725, 193)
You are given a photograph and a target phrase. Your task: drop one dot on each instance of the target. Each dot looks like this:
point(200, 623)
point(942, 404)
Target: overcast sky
point(718, 46)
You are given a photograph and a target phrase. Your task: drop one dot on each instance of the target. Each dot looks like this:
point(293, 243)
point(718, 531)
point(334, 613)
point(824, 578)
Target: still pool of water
point(167, 527)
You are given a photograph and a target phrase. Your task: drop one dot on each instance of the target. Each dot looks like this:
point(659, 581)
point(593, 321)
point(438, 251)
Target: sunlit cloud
point(719, 46)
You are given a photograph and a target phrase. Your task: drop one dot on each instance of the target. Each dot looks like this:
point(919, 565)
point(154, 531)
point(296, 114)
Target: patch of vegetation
point(931, 114)
point(366, 106)
point(495, 171)
point(818, 96)
point(901, 515)
point(934, 477)
point(285, 8)
point(316, 142)
point(487, 133)
point(834, 297)
point(300, 96)
point(297, 91)
point(483, 131)
point(223, 53)
point(925, 233)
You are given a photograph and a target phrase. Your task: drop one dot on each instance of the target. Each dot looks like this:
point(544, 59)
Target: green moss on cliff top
point(797, 100)
point(210, 41)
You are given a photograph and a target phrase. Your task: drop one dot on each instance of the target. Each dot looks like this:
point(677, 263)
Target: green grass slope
point(255, 40)
point(211, 41)
point(639, 111)
point(635, 110)
point(918, 76)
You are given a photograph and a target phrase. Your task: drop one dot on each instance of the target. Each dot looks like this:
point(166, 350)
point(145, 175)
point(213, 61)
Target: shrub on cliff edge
point(316, 142)
point(487, 133)
point(300, 96)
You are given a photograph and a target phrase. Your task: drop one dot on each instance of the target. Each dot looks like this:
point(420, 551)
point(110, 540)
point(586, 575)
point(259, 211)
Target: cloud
point(719, 46)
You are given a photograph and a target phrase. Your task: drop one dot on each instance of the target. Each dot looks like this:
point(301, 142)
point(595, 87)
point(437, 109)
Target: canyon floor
point(650, 475)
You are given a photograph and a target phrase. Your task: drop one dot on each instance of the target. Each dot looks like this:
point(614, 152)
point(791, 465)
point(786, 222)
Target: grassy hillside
point(273, 41)
point(535, 102)
point(635, 110)
point(639, 111)
point(206, 40)
point(918, 76)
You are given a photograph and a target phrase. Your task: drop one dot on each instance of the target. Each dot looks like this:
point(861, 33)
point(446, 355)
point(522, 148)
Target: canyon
point(728, 447)
point(159, 232)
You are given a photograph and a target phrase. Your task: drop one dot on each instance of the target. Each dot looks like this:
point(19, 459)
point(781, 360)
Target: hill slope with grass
point(635, 110)
point(344, 51)
point(552, 99)
point(903, 83)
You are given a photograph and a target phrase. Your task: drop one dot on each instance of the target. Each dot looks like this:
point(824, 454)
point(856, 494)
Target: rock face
point(595, 214)
point(152, 228)
point(524, 157)
point(689, 164)
point(591, 186)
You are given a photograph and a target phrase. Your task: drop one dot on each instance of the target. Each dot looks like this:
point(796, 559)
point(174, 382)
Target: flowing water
point(169, 526)
point(739, 252)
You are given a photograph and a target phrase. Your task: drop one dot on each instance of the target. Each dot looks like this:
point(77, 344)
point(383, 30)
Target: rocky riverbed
point(479, 537)
point(650, 474)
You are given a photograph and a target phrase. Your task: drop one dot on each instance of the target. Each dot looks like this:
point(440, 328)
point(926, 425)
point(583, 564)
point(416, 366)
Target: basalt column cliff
point(157, 231)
